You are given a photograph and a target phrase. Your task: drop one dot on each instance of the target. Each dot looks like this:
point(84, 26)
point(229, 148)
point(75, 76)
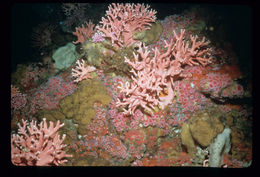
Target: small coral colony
point(132, 90)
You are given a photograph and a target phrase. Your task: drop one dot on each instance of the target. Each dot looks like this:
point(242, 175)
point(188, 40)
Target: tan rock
point(229, 120)
point(205, 128)
point(237, 137)
point(79, 106)
point(151, 35)
point(81, 162)
point(187, 140)
point(52, 115)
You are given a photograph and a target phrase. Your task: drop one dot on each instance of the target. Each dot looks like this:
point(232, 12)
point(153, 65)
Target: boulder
point(65, 56)
point(187, 140)
point(204, 128)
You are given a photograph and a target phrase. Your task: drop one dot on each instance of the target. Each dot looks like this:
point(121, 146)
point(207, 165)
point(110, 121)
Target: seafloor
point(208, 121)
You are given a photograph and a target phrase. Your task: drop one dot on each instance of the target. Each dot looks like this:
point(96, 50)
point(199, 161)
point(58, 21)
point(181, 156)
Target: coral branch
point(83, 33)
point(122, 20)
point(81, 72)
point(155, 75)
point(41, 146)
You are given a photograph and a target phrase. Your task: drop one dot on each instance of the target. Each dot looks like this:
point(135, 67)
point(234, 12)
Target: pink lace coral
point(42, 146)
point(154, 76)
point(122, 20)
point(84, 32)
point(81, 72)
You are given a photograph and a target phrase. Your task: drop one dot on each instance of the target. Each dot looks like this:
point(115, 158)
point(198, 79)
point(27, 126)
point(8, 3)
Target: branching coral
point(122, 20)
point(155, 75)
point(42, 146)
point(81, 72)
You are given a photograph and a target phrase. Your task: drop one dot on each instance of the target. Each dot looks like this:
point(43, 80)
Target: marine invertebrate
point(41, 146)
point(81, 72)
point(49, 95)
point(220, 86)
point(98, 37)
point(18, 100)
point(220, 146)
point(84, 32)
point(41, 36)
point(122, 20)
point(153, 75)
